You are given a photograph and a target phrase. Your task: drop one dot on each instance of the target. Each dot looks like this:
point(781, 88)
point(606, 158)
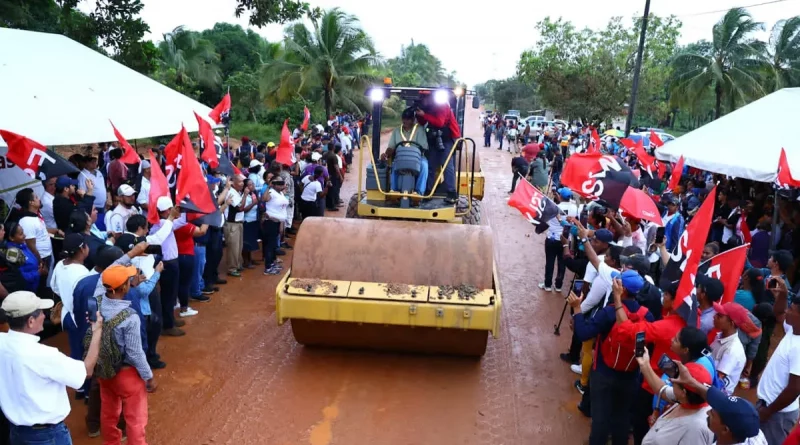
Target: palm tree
point(193, 59)
point(784, 54)
point(336, 57)
point(731, 66)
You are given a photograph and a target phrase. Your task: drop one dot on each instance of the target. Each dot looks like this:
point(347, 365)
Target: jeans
point(197, 285)
point(778, 426)
point(213, 256)
point(642, 409)
point(611, 398)
point(54, 435)
point(556, 179)
point(186, 267)
point(154, 323)
point(332, 198)
point(436, 159)
point(271, 232)
point(125, 394)
point(422, 178)
point(553, 251)
point(487, 140)
point(516, 177)
point(169, 292)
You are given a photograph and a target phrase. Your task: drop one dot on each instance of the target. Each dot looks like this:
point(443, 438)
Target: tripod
point(557, 327)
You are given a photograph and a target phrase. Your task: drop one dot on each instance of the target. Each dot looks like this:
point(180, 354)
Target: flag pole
point(228, 130)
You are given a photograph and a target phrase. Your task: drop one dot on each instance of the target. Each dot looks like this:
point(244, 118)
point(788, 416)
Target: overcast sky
point(471, 38)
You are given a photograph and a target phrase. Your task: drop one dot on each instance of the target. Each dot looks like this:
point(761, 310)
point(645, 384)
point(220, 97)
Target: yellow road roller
point(403, 271)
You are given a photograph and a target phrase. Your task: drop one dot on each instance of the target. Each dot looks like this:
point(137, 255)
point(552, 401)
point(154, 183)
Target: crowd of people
point(83, 258)
point(683, 386)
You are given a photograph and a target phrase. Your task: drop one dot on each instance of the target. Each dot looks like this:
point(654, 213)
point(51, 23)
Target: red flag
point(675, 179)
point(594, 143)
point(691, 244)
point(209, 152)
point(191, 184)
point(129, 155)
point(286, 147)
point(727, 267)
point(537, 208)
point(662, 169)
point(222, 109)
point(746, 235)
point(34, 158)
point(655, 141)
point(306, 118)
point(785, 178)
point(645, 160)
point(158, 188)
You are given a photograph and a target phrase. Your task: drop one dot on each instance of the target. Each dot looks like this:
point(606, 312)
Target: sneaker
point(583, 411)
point(208, 291)
point(174, 332)
point(577, 369)
point(234, 273)
point(189, 312)
point(177, 305)
point(286, 245)
point(179, 323)
point(558, 289)
point(545, 288)
point(564, 356)
point(272, 271)
point(201, 298)
point(581, 389)
point(156, 364)
point(93, 434)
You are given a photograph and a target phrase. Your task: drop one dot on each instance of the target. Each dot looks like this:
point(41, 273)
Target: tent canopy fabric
point(59, 92)
point(746, 143)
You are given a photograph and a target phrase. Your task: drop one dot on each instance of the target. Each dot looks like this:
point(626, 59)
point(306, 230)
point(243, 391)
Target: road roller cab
point(400, 280)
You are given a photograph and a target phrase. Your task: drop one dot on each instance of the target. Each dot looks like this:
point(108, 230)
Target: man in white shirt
point(727, 349)
point(234, 227)
point(101, 197)
point(142, 199)
point(33, 395)
point(47, 203)
point(779, 387)
point(117, 219)
point(553, 248)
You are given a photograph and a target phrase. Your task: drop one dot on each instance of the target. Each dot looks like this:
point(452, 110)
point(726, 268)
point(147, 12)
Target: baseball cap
point(712, 286)
point(637, 262)
point(164, 203)
point(255, 163)
point(72, 243)
point(631, 280)
point(23, 302)
point(565, 193)
point(245, 139)
point(107, 255)
point(738, 414)
point(740, 317)
point(211, 179)
point(604, 235)
point(116, 276)
point(316, 156)
point(65, 181)
point(270, 144)
point(145, 164)
point(125, 190)
point(672, 199)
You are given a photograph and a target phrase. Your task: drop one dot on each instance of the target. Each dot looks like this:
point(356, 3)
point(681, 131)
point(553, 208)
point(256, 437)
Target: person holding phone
point(613, 382)
point(553, 247)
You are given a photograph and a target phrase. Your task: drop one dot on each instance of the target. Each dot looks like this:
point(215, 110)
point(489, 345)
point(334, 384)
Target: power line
point(726, 10)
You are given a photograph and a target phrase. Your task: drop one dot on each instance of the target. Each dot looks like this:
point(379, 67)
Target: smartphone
point(91, 309)
point(577, 287)
point(659, 235)
point(668, 366)
point(565, 231)
point(639, 349)
point(153, 249)
point(772, 284)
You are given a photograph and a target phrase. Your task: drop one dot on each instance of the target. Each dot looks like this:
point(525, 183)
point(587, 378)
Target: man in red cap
point(727, 349)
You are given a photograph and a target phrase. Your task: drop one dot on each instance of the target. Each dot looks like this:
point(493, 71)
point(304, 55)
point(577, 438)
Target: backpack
point(618, 349)
point(111, 358)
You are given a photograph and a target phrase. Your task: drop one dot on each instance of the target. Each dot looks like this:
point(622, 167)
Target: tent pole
point(774, 240)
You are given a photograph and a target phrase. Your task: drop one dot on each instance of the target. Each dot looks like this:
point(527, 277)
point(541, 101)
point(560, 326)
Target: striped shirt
point(127, 335)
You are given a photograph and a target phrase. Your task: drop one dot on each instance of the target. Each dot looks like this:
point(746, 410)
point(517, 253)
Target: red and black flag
point(726, 267)
point(598, 177)
point(186, 177)
point(34, 158)
point(129, 155)
point(537, 208)
point(785, 179)
point(158, 188)
point(222, 111)
point(208, 151)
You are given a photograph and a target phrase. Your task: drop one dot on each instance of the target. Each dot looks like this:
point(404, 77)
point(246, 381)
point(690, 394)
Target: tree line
point(588, 74)
point(326, 61)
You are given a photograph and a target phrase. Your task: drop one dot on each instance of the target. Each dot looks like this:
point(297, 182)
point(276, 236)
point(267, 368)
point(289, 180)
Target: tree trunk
point(253, 113)
point(328, 101)
point(718, 103)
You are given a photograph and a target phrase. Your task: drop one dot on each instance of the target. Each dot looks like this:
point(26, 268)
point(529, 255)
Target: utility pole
point(637, 70)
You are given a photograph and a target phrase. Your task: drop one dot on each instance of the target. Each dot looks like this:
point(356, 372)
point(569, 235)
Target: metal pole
point(774, 240)
point(637, 70)
point(228, 130)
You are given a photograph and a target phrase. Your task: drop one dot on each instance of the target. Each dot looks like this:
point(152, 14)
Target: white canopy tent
point(59, 92)
point(746, 143)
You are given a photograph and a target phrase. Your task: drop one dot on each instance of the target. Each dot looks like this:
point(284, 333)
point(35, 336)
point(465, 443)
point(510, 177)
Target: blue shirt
point(84, 289)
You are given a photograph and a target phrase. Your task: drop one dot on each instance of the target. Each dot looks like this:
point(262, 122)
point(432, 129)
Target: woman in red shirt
point(184, 238)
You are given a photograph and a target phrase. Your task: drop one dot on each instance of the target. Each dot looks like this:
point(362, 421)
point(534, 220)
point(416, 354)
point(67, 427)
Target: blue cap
point(604, 235)
point(631, 280)
point(65, 181)
point(739, 415)
point(565, 193)
point(212, 179)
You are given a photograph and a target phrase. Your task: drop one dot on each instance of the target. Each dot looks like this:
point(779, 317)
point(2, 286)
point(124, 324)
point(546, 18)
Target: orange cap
point(115, 276)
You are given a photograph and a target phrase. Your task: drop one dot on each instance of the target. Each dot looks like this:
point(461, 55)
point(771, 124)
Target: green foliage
point(417, 67)
point(264, 12)
point(513, 94)
point(140, 56)
point(257, 131)
point(237, 49)
point(189, 60)
point(783, 54)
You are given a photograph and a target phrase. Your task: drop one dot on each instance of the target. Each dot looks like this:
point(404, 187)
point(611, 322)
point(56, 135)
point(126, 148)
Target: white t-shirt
point(47, 211)
point(784, 361)
point(347, 142)
point(144, 193)
point(276, 206)
point(252, 214)
point(237, 202)
point(311, 188)
point(729, 358)
point(34, 228)
point(691, 429)
point(601, 285)
point(63, 281)
point(117, 219)
point(555, 229)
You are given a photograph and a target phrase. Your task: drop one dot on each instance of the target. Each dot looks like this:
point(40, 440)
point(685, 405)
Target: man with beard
point(118, 218)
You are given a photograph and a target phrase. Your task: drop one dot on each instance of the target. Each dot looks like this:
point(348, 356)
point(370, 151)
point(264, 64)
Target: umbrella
point(615, 133)
point(638, 204)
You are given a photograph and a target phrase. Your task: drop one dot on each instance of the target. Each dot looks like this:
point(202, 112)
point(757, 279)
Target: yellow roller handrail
point(471, 176)
point(402, 194)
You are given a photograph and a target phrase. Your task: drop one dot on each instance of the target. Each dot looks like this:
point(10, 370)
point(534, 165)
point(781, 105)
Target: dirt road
point(238, 378)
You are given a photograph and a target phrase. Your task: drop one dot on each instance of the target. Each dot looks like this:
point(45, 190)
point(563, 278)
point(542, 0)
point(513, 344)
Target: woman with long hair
point(30, 269)
point(251, 226)
point(751, 290)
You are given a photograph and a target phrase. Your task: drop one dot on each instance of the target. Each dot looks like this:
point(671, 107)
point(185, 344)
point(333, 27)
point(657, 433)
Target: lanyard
point(413, 131)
